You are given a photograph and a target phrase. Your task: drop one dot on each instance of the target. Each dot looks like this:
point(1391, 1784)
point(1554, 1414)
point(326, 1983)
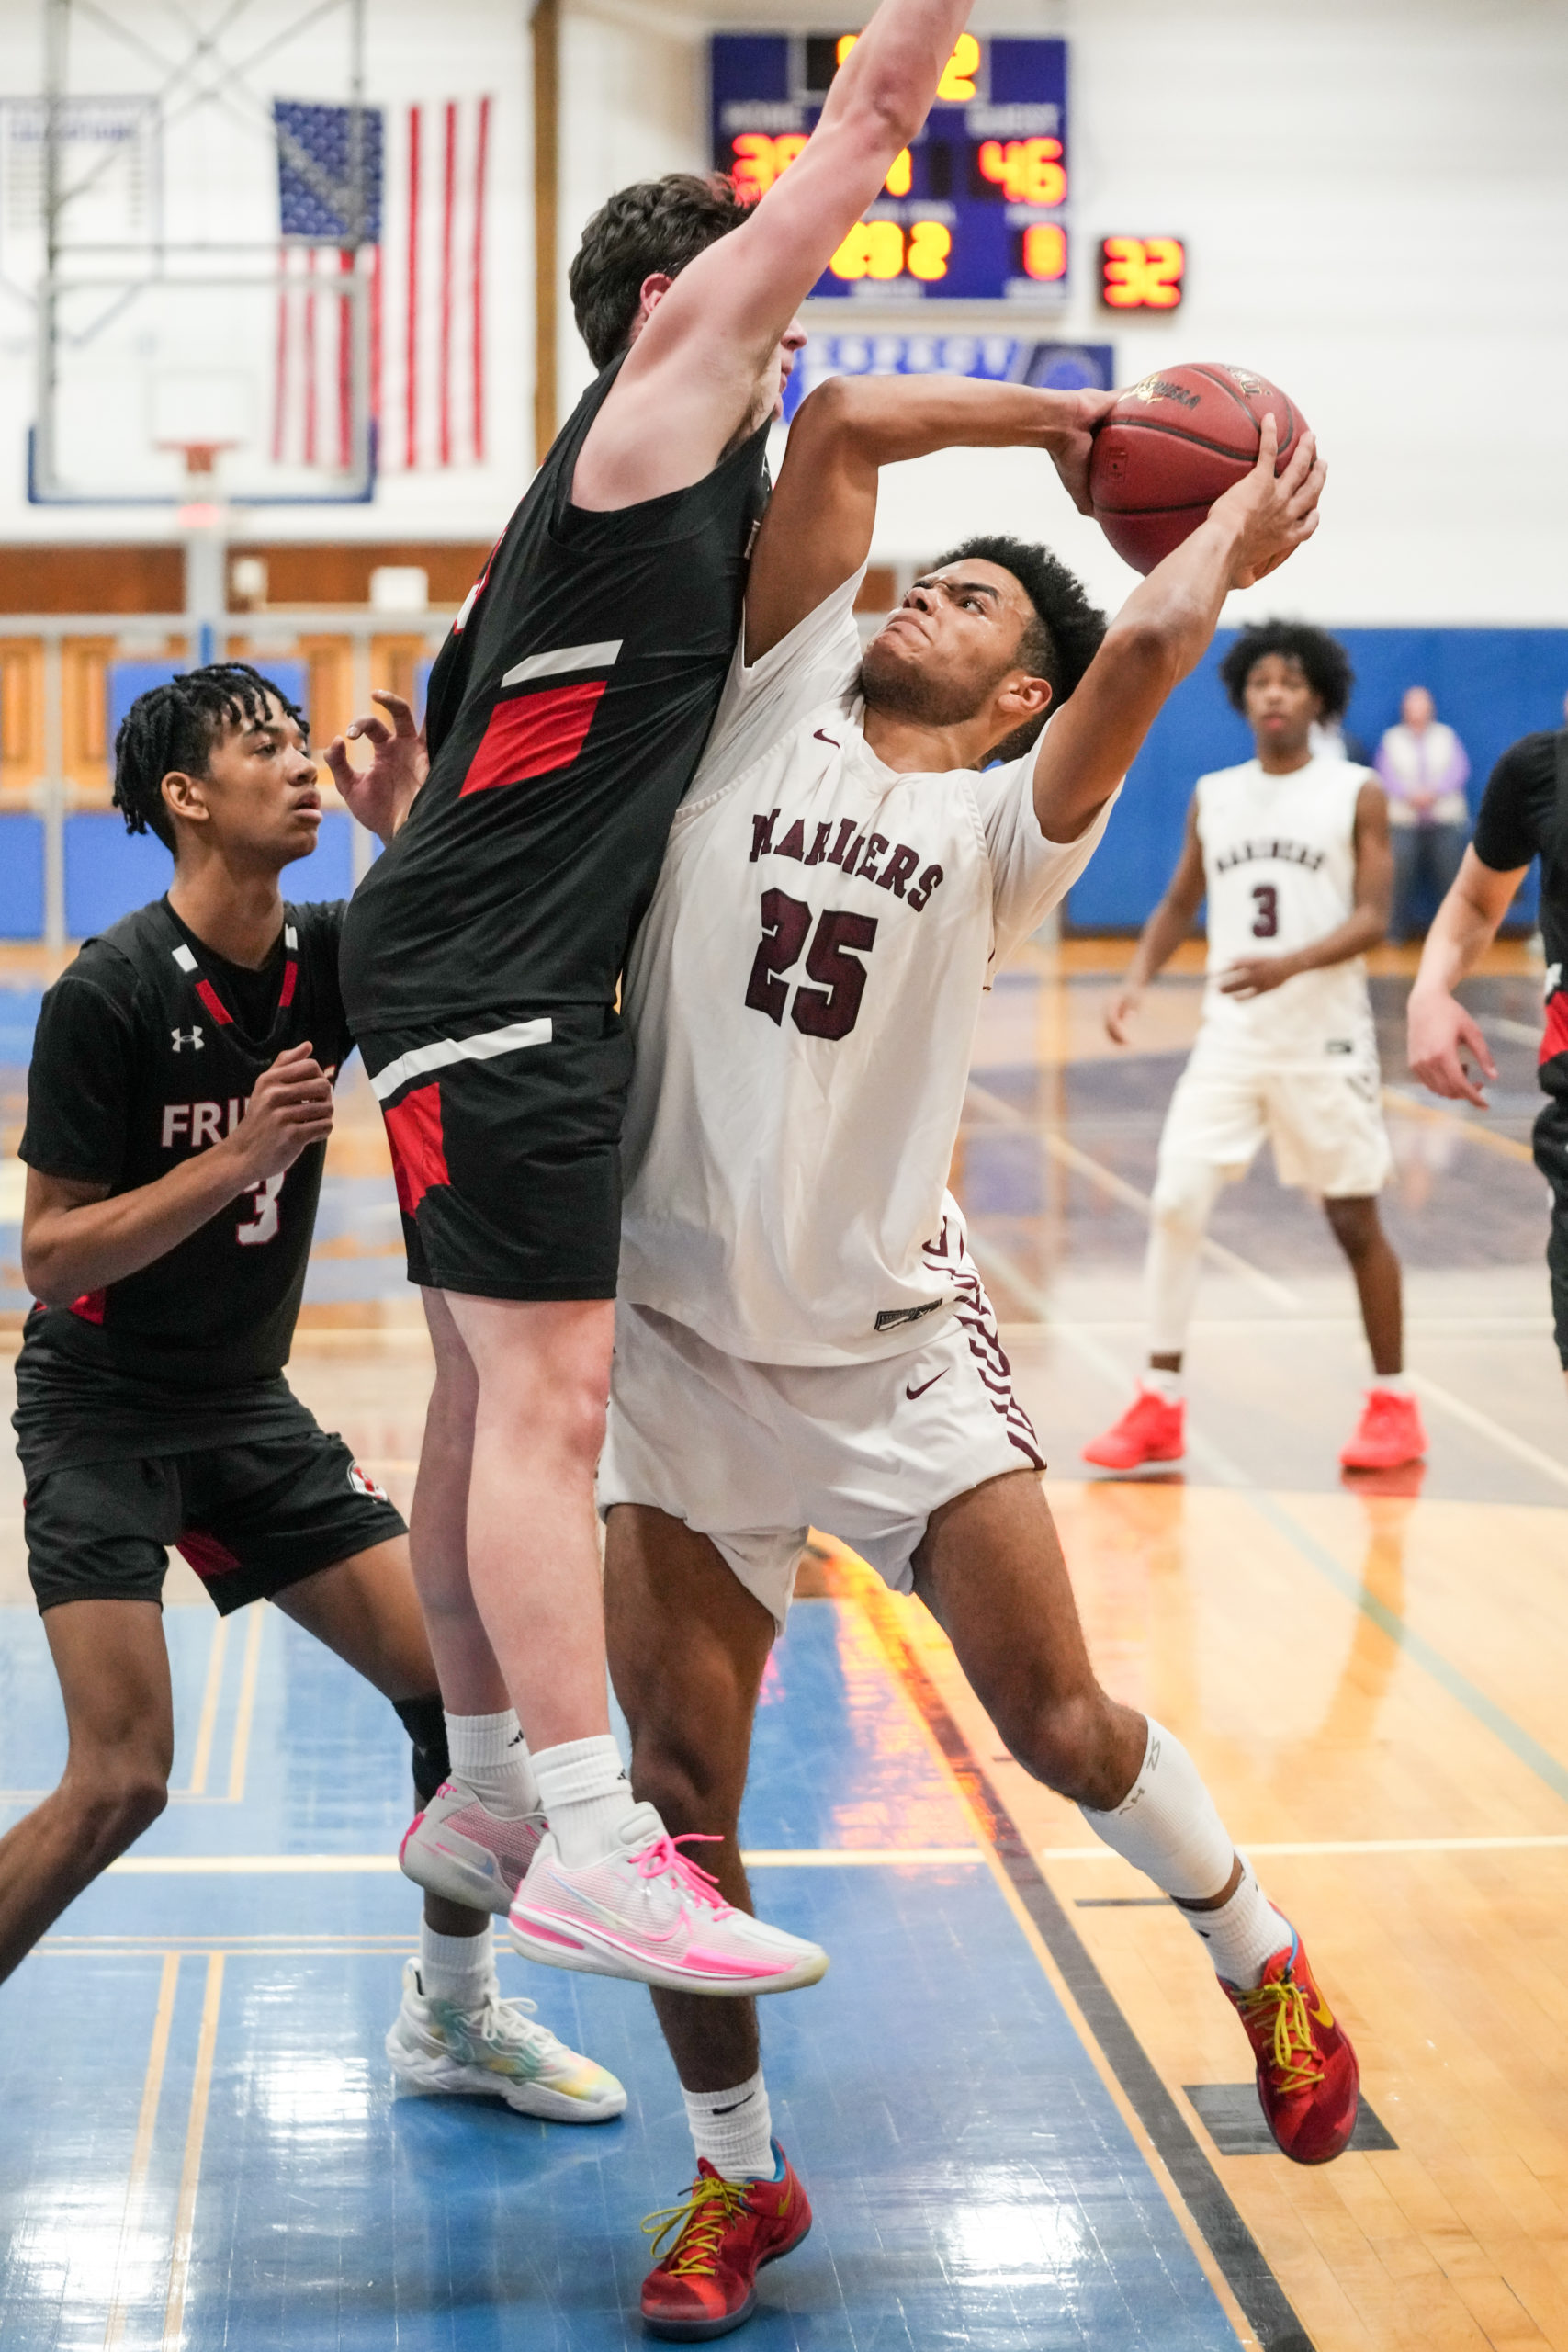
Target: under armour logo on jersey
point(191, 1037)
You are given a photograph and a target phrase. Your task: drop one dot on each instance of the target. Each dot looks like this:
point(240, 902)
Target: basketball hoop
point(201, 457)
point(202, 510)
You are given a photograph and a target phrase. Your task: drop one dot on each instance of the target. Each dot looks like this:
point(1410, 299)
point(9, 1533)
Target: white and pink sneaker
point(644, 1912)
point(457, 1849)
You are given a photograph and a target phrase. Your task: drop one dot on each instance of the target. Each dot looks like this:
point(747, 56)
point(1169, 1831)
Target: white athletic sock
point(1167, 1827)
point(1168, 1384)
point(586, 1796)
point(734, 2130)
point(489, 1755)
point(1392, 1384)
point(1244, 1933)
point(458, 1969)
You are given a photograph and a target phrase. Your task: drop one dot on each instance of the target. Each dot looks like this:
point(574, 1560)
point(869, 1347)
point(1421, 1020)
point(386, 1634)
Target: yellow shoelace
point(1297, 2066)
point(697, 2226)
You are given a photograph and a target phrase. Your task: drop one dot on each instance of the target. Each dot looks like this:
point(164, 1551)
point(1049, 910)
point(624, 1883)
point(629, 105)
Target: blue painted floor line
point(973, 2181)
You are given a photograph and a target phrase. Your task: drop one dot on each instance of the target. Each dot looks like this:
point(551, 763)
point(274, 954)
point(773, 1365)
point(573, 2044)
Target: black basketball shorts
point(251, 1520)
point(505, 1133)
point(1552, 1158)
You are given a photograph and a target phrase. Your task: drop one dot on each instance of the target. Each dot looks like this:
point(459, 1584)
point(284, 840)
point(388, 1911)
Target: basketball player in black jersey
point(481, 955)
point(178, 1106)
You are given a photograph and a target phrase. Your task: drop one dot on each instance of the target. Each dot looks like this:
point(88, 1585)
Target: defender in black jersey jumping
point(178, 1105)
point(481, 957)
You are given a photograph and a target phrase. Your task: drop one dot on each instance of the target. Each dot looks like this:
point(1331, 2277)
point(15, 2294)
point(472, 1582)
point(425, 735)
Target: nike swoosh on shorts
point(912, 1393)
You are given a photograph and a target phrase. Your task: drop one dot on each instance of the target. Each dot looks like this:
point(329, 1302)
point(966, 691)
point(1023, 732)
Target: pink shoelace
point(663, 1854)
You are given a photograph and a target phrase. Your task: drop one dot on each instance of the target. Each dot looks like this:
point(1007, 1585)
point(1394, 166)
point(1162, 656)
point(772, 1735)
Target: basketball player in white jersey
point(1292, 852)
point(801, 1338)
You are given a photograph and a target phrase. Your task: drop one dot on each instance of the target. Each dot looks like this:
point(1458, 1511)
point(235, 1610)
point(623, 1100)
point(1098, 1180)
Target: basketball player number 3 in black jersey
point(178, 1105)
point(481, 955)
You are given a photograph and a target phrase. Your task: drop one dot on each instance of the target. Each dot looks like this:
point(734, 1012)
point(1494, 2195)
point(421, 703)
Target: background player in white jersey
point(801, 1336)
point(1292, 852)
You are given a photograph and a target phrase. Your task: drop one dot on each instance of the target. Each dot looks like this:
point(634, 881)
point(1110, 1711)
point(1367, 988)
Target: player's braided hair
point(171, 730)
point(1061, 639)
point(1324, 664)
point(653, 227)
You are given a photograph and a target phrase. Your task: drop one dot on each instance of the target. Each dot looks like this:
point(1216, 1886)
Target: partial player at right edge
point(1292, 852)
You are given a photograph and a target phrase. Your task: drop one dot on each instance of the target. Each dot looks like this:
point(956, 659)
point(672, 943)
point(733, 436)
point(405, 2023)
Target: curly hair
point(1061, 641)
point(170, 729)
point(1323, 660)
point(655, 227)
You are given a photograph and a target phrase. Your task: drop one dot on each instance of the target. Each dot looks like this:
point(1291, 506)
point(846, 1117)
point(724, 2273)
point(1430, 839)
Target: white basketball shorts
point(754, 1455)
point(1326, 1125)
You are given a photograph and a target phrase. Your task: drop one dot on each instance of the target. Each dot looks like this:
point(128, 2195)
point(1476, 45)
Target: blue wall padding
point(330, 873)
point(1491, 684)
point(21, 876)
point(125, 680)
point(109, 871)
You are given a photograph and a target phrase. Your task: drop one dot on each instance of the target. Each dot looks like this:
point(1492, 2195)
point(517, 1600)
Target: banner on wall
point(412, 195)
point(1054, 366)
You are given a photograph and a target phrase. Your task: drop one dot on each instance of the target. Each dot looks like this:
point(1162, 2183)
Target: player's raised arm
point(690, 381)
point(1163, 629)
point(819, 525)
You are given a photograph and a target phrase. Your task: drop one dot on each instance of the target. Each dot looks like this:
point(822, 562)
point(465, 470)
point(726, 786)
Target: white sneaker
point(457, 1849)
point(644, 1912)
point(497, 2052)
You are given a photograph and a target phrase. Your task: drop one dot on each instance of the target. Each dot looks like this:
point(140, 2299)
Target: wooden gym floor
point(1018, 2098)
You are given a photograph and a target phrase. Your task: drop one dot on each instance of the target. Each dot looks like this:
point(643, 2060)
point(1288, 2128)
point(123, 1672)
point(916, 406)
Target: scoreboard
point(973, 211)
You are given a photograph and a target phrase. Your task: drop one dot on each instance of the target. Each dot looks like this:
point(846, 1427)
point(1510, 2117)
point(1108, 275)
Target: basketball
point(1172, 444)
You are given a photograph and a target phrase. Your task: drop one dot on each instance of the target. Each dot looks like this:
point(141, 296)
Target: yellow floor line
point(141, 2153)
point(245, 1714)
point(196, 2131)
point(206, 1729)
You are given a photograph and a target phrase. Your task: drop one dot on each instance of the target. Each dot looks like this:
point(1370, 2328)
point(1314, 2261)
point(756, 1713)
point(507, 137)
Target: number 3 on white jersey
point(263, 1226)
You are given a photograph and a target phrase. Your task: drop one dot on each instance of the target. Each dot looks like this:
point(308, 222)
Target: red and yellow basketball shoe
point(1308, 2082)
point(1151, 1430)
point(1389, 1433)
point(725, 2231)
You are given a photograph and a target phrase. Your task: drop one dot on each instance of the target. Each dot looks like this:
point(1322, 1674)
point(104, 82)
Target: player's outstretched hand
point(1272, 513)
point(290, 1108)
point(1072, 448)
point(1255, 975)
point(1440, 1034)
point(380, 796)
point(1119, 1015)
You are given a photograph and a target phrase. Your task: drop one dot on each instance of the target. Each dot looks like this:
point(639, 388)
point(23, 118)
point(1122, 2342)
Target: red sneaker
point(1308, 2082)
point(724, 2232)
point(1149, 1430)
point(1389, 1433)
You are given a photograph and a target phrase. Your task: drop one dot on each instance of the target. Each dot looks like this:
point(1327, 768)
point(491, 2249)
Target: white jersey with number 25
point(803, 996)
point(1279, 871)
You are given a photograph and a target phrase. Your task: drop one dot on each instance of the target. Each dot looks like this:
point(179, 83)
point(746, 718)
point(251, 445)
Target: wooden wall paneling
point(21, 715)
point(393, 661)
point(85, 749)
point(330, 660)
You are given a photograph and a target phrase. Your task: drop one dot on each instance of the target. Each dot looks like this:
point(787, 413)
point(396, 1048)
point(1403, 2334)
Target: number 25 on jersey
point(833, 960)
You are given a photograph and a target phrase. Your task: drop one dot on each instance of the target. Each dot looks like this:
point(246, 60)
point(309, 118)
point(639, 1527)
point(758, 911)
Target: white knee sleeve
point(1185, 1192)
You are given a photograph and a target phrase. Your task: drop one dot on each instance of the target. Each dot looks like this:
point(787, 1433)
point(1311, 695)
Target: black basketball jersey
point(567, 713)
point(145, 1055)
point(1524, 815)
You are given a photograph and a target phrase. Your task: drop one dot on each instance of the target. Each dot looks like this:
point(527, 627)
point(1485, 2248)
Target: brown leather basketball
point(1174, 444)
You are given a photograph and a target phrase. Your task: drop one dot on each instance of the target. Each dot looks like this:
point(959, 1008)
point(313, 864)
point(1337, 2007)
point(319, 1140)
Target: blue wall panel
point(328, 874)
point(1492, 684)
point(21, 876)
point(109, 871)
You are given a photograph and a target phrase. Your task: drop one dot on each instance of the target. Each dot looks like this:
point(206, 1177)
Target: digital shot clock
point(974, 210)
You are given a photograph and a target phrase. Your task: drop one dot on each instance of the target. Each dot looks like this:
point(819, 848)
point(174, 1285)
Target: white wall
point(1375, 197)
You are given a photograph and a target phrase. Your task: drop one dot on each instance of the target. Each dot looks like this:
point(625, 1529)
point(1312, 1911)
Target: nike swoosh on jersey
point(912, 1393)
point(820, 737)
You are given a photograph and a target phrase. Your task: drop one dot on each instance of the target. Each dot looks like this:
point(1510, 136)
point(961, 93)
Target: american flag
point(412, 219)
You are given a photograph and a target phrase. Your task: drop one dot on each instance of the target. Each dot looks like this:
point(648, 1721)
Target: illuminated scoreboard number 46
point(971, 211)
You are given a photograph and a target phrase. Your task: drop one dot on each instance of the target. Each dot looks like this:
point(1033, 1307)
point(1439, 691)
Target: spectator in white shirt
point(1423, 768)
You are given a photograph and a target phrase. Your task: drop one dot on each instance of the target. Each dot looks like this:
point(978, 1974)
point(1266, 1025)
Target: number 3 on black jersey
point(832, 1009)
point(262, 1226)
